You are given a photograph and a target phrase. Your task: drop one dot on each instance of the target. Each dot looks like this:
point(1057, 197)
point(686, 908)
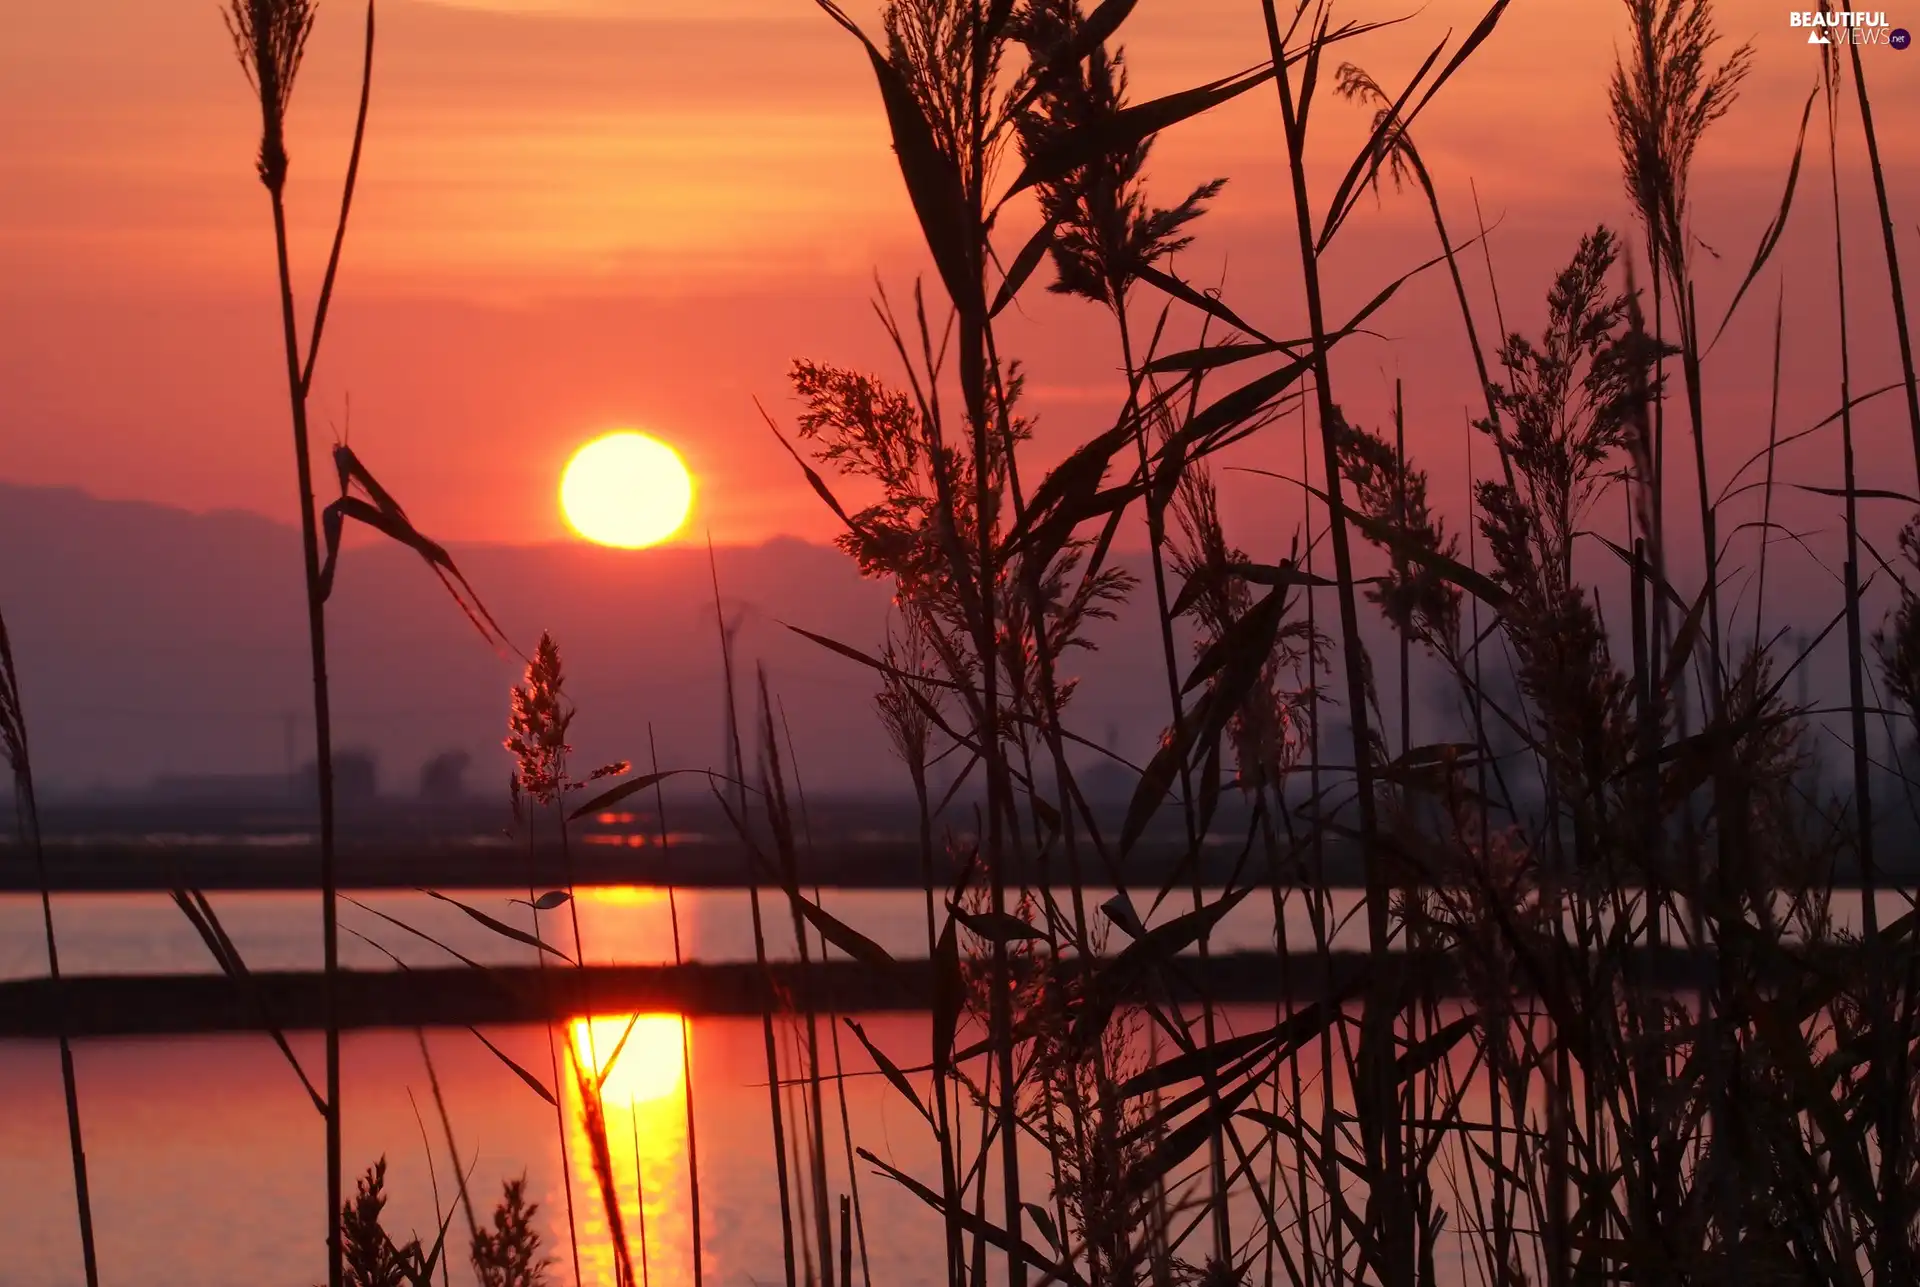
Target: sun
point(626, 489)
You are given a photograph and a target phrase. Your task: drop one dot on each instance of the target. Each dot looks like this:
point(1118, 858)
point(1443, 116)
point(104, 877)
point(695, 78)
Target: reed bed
point(1608, 790)
point(1620, 776)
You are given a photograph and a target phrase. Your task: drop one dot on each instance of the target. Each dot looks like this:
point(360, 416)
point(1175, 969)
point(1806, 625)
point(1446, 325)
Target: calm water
point(146, 933)
point(206, 1156)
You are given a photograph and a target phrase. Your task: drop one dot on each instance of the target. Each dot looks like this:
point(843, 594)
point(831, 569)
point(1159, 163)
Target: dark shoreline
point(178, 1005)
point(134, 866)
point(116, 866)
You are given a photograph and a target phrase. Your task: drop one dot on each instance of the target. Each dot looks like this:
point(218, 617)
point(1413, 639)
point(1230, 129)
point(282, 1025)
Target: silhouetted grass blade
point(843, 936)
point(889, 1069)
point(1129, 126)
point(499, 927)
point(1022, 268)
point(932, 183)
point(977, 1224)
point(532, 1081)
point(1777, 227)
point(996, 927)
point(614, 795)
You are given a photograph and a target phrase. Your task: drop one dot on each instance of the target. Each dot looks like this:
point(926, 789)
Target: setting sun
point(626, 489)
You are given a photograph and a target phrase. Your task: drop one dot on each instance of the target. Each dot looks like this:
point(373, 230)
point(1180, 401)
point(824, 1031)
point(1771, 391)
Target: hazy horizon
point(187, 655)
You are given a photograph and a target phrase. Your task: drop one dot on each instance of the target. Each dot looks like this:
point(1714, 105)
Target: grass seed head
point(1105, 229)
point(270, 38)
point(1664, 96)
point(508, 1254)
point(537, 726)
point(372, 1258)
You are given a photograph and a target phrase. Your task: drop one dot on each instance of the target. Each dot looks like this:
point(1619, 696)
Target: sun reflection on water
point(637, 1057)
point(640, 1061)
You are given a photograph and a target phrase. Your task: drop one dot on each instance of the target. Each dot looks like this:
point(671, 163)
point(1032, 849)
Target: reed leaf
point(499, 927)
point(889, 1070)
point(933, 185)
point(1777, 227)
point(1022, 268)
point(533, 1082)
point(615, 794)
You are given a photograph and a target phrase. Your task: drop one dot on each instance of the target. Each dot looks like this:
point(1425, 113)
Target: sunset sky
point(577, 215)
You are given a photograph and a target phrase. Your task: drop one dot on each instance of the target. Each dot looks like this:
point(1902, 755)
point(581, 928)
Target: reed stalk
point(269, 38)
point(13, 743)
point(779, 817)
point(686, 1028)
point(852, 1216)
point(537, 727)
point(1377, 1097)
point(1895, 1255)
point(1901, 327)
point(739, 781)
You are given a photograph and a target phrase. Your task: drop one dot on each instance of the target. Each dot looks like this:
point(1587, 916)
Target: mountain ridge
point(152, 640)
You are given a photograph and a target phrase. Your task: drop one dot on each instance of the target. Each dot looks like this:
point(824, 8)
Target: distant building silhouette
point(443, 778)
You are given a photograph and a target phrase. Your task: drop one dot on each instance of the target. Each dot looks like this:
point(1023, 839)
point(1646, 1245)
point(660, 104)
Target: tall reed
point(270, 38)
point(686, 1028)
point(1621, 1124)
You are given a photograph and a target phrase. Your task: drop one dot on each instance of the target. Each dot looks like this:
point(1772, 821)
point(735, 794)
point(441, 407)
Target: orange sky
point(579, 214)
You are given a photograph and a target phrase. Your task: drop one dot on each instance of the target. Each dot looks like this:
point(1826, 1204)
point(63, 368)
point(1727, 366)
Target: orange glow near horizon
point(569, 216)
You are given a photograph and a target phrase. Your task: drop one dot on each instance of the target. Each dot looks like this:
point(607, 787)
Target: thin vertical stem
point(1400, 522)
point(640, 1193)
point(686, 1028)
point(777, 813)
point(1766, 493)
point(1377, 1099)
point(272, 81)
point(14, 723)
point(850, 1203)
point(759, 934)
point(446, 1127)
point(1156, 542)
point(1900, 328)
point(322, 736)
point(1856, 694)
point(553, 1051)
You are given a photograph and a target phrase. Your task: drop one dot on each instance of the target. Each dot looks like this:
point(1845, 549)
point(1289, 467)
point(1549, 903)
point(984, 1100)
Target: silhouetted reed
point(270, 38)
point(13, 746)
point(1626, 1121)
point(508, 1254)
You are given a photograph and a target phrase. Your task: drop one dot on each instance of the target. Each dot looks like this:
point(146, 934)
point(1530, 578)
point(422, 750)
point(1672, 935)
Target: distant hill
point(156, 642)
point(163, 660)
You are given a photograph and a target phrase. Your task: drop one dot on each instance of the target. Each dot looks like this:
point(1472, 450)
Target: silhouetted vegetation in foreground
point(1622, 781)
